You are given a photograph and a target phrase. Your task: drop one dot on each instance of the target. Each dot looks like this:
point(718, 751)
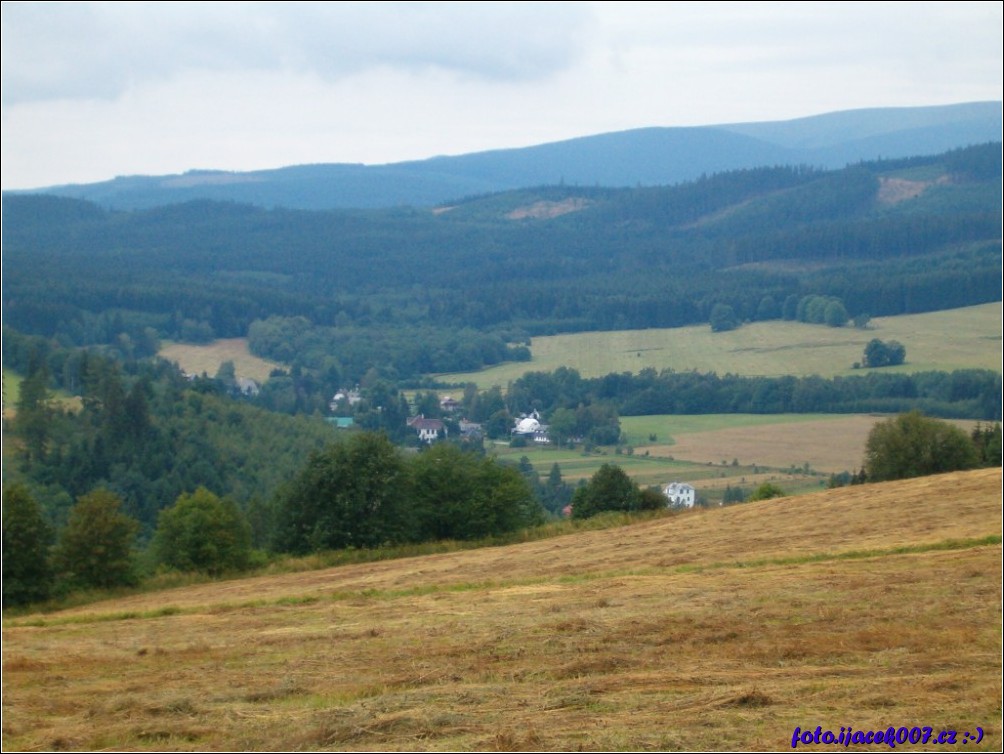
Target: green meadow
point(12, 391)
point(947, 340)
point(715, 450)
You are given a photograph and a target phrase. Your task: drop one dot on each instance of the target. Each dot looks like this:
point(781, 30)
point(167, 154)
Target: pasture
point(869, 606)
point(946, 340)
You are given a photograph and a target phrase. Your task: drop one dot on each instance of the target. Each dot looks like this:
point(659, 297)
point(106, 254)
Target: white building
point(680, 495)
point(530, 428)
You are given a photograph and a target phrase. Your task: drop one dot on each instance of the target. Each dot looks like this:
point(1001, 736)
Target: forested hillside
point(411, 291)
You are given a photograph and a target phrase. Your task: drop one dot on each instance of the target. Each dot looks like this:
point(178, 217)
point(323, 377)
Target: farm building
point(429, 430)
point(680, 495)
point(529, 427)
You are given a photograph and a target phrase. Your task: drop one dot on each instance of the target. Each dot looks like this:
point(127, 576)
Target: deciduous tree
point(459, 495)
point(27, 573)
point(609, 489)
point(95, 549)
point(348, 495)
point(203, 532)
point(912, 445)
point(884, 354)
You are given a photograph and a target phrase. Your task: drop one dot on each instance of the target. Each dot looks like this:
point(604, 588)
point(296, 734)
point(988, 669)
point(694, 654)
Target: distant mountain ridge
point(644, 156)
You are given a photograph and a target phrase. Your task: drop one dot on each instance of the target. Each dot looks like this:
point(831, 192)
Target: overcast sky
point(95, 90)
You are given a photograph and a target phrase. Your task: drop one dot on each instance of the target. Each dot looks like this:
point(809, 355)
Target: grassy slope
point(869, 606)
point(953, 339)
point(198, 359)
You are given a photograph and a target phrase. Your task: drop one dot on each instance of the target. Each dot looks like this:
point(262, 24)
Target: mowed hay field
point(954, 339)
point(827, 442)
point(870, 607)
point(196, 359)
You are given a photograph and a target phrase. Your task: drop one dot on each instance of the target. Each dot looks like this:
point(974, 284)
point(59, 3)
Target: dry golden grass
point(831, 444)
point(198, 359)
point(867, 606)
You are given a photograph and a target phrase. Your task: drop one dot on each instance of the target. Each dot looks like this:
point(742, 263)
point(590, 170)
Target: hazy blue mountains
point(639, 157)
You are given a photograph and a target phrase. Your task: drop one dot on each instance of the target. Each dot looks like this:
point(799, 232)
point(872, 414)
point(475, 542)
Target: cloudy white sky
point(91, 90)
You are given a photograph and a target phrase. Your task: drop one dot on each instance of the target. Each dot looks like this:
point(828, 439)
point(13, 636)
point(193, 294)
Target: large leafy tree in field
point(27, 573)
point(348, 495)
point(911, 445)
point(459, 495)
point(95, 549)
point(203, 532)
point(609, 489)
point(884, 354)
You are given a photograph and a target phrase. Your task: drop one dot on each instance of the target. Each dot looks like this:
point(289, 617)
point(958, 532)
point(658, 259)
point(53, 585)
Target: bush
point(766, 491)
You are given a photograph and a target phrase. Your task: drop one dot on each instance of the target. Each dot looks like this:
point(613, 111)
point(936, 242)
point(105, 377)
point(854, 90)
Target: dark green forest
point(411, 291)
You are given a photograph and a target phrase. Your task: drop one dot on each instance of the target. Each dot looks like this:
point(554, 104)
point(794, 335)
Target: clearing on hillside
point(198, 359)
point(869, 606)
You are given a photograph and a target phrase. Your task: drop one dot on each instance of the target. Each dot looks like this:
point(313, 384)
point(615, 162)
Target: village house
point(247, 386)
point(428, 430)
point(680, 495)
point(344, 398)
point(470, 430)
point(449, 404)
point(530, 428)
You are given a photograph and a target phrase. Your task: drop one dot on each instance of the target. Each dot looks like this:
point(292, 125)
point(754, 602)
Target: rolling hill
point(547, 260)
point(869, 607)
point(645, 156)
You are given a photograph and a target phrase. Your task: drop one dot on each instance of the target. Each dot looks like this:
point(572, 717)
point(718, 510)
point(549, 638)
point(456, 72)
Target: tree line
point(360, 493)
point(963, 393)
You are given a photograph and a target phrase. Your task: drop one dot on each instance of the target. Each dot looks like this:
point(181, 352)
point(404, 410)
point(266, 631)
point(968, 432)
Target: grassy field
point(12, 391)
point(870, 606)
point(826, 442)
point(712, 451)
point(954, 339)
point(198, 359)
point(710, 479)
